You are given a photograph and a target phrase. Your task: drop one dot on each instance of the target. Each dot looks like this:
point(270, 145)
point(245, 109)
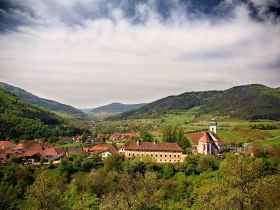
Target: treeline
point(22, 120)
point(249, 102)
point(201, 182)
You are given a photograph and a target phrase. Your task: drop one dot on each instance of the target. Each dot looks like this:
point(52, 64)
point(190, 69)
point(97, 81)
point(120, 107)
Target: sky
point(88, 53)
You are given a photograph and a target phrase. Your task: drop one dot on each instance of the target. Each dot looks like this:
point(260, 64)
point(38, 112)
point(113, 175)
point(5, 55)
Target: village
point(129, 145)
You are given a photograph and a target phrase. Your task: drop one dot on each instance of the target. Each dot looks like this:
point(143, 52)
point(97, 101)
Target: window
point(156, 155)
point(151, 155)
point(129, 154)
point(170, 155)
point(160, 155)
point(165, 155)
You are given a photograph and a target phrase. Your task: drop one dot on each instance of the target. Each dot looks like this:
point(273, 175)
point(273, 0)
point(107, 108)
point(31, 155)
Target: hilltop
point(21, 120)
point(46, 103)
point(251, 102)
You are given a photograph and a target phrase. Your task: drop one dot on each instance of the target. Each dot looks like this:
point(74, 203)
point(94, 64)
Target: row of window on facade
point(155, 155)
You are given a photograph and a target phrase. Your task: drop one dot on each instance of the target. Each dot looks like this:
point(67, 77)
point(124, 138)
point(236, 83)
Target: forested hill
point(117, 107)
point(21, 120)
point(48, 104)
point(246, 102)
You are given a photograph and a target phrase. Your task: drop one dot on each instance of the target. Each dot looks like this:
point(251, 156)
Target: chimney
point(155, 142)
point(138, 142)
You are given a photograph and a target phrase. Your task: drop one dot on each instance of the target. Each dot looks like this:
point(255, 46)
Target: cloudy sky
point(88, 53)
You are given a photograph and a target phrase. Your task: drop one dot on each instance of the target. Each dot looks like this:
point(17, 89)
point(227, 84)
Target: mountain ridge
point(45, 103)
point(254, 101)
point(117, 107)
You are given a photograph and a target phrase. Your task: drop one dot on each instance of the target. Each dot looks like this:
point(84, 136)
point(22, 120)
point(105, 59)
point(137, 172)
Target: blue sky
point(90, 52)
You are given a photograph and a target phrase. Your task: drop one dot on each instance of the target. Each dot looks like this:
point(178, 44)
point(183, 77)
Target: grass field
point(229, 135)
point(275, 140)
point(274, 133)
point(75, 144)
point(270, 142)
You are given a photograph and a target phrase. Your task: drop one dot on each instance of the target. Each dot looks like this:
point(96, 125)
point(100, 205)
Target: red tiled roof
point(36, 147)
point(30, 153)
point(6, 144)
point(49, 152)
point(195, 136)
point(2, 156)
point(11, 152)
point(205, 138)
point(99, 148)
point(151, 146)
point(59, 150)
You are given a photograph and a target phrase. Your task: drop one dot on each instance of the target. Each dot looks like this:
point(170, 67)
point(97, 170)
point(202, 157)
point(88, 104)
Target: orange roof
point(205, 138)
point(99, 148)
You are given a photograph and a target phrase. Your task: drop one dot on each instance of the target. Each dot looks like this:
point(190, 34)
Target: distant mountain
point(246, 102)
point(48, 104)
point(117, 108)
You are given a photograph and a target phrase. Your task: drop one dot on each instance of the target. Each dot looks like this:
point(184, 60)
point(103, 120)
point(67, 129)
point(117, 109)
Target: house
point(115, 136)
point(161, 152)
point(104, 151)
point(207, 143)
point(74, 151)
point(90, 140)
point(6, 145)
point(121, 150)
point(36, 151)
point(125, 136)
point(99, 148)
point(100, 137)
point(12, 152)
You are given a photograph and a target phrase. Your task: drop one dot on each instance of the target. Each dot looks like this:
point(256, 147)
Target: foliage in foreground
point(201, 182)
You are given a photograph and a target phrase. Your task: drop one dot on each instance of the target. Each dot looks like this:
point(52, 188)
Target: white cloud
point(102, 61)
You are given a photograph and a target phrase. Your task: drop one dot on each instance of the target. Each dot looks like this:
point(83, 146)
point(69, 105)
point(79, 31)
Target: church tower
point(213, 125)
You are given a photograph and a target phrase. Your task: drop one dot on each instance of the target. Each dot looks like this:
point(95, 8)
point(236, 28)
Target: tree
point(8, 195)
point(43, 195)
point(236, 188)
point(86, 201)
point(175, 134)
point(205, 163)
point(113, 162)
point(146, 136)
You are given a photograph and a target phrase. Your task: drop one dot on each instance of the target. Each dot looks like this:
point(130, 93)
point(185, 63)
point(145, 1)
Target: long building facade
point(161, 152)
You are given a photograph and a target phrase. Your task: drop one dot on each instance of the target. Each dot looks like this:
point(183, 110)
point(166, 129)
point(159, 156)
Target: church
point(208, 142)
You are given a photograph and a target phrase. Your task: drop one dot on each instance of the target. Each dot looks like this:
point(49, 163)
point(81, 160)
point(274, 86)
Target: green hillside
point(21, 120)
point(117, 107)
point(249, 102)
point(48, 104)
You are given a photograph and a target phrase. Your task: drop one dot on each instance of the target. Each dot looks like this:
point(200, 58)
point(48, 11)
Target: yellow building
point(161, 152)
